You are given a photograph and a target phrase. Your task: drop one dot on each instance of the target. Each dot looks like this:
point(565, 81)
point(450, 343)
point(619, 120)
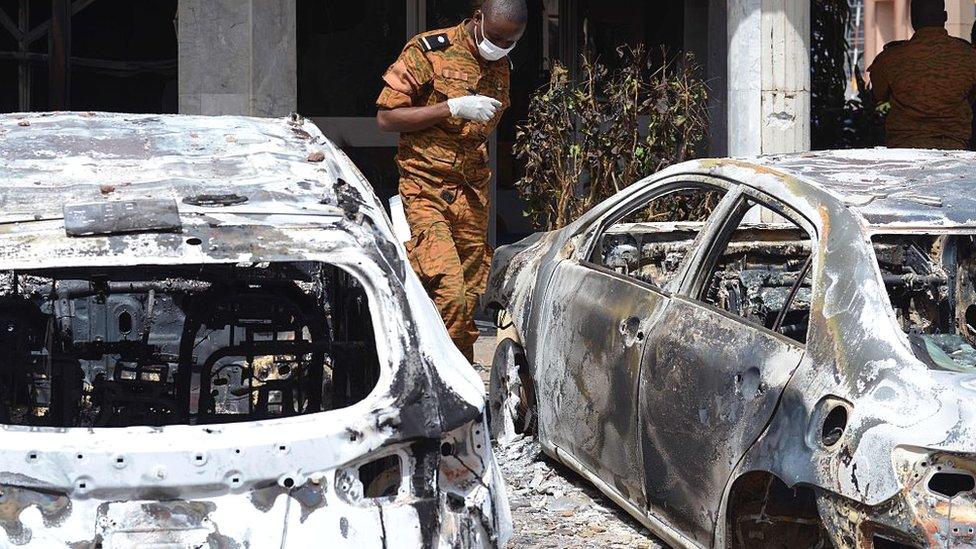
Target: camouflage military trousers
point(449, 251)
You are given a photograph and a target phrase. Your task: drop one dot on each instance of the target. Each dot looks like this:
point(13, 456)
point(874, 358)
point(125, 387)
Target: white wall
point(962, 14)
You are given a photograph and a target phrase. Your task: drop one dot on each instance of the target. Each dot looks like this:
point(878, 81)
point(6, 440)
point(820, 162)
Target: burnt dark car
point(752, 353)
point(212, 338)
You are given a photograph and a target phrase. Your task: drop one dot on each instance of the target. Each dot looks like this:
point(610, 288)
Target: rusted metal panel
point(131, 216)
point(709, 386)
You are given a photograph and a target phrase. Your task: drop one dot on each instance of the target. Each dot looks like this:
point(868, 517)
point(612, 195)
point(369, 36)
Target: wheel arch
point(760, 509)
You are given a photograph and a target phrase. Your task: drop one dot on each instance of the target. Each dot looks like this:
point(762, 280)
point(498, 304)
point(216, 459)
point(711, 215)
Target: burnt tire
point(510, 396)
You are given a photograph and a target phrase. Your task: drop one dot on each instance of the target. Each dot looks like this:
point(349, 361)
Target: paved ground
point(552, 506)
point(484, 348)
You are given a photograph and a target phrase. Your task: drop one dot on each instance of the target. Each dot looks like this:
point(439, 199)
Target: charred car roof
point(892, 186)
point(237, 183)
point(210, 251)
point(270, 165)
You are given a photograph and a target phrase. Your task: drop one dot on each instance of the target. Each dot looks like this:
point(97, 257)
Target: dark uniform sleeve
point(406, 79)
point(880, 79)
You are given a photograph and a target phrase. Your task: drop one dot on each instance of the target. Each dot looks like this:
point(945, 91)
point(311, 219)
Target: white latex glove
point(479, 108)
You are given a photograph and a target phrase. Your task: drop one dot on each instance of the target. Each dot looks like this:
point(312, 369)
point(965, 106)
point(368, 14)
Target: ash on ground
point(554, 507)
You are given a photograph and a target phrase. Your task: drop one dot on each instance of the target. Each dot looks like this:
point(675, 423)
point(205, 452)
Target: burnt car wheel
point(511, 398)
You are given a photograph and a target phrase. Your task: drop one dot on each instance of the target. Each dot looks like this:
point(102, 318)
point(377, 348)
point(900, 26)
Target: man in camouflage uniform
point(445, 95)
point(930, 81)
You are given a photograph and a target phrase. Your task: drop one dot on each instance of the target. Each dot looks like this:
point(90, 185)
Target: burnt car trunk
point(211, 338)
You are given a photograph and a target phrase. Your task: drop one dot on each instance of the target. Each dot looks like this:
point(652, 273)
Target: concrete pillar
point(745, 77)
point(786, 76)
point(769, 76)
point(237, 57)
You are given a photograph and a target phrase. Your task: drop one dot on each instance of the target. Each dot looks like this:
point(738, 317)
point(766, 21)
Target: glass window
point(137, 49)
point(9, 73)
point(9, 96)
point(650, 241)
point(124, 57)
point(763, 274)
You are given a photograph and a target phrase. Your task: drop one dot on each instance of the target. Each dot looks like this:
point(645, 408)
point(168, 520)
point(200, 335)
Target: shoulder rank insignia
point(435, 42)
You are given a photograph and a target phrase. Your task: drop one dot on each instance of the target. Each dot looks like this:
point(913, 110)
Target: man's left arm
point(405, 84)
point(880, 82)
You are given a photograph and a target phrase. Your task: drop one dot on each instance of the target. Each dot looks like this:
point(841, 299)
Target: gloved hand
point(479, 108)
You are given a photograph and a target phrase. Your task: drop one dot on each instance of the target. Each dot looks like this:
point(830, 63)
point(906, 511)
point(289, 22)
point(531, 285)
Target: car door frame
point(654, 189)
point(588, 239)
point(711, 245)
point(718, 231)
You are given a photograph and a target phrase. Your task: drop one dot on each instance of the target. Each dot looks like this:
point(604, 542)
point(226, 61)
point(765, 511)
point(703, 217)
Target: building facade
point(324, 59)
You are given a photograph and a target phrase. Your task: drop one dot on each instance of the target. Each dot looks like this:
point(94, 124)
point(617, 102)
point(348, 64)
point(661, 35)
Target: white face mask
point(488, 50)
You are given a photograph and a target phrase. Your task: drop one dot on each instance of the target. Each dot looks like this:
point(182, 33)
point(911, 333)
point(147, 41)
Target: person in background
point(930, 82)
point(444, 96)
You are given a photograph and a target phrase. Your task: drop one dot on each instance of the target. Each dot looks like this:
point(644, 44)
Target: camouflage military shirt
point(930, 81)
point(452, 152)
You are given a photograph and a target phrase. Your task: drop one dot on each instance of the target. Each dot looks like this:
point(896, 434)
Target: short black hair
point(513, 10)
point(928, 13)
point(972, 35)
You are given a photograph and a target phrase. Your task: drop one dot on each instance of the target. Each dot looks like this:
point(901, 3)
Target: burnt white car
point(775, 352)
point(211, 338)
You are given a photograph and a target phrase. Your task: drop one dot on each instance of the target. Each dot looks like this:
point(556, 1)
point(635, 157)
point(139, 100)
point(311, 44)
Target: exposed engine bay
point(930, 281)
point(191, 344)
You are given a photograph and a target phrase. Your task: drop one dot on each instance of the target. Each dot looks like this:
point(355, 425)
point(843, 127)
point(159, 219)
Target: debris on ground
point(554, 507)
